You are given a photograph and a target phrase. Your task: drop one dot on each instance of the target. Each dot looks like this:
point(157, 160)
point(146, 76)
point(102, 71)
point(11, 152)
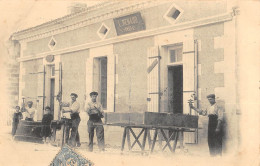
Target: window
point(173, 14)
point(52, 71)
point(103, 31)
point(175, 54)
point(52, 43)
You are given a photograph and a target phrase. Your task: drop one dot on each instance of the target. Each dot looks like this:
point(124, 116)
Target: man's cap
point(47, 107)
point(17, 106)
point(93, 93)
point(30, 102)
point(74, 94)
point(211, 96)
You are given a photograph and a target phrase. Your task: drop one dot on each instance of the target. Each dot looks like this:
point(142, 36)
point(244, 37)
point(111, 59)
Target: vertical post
point(176, 139)
point(60, 90)
point(128, 139)
point(149, 138)
point(159, 81)
point(144, 139)
point(154, 140)
point(123, 140)
point(181, 139)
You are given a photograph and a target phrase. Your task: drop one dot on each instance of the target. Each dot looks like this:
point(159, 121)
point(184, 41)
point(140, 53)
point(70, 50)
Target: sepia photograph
point(126, 82)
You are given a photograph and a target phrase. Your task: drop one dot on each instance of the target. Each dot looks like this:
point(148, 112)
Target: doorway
point(100, 79)
point(175, 86)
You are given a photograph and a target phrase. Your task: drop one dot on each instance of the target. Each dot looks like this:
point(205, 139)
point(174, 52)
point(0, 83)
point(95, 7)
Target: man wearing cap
point(215, 114)
point(95, 112)
point(29, 112)
point(73, 109)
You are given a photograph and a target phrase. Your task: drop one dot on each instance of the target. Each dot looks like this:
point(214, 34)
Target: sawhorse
point(145, 131)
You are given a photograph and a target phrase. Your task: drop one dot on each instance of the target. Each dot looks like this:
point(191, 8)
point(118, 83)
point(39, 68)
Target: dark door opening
point(52, 94)
point(175, 86)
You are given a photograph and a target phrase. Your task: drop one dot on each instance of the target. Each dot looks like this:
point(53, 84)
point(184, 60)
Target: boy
point(29, 111)
point(95, 112)
point(46, 121)
point(16, 118)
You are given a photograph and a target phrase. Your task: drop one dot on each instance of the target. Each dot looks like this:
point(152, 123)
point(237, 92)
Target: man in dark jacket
point(46, 121)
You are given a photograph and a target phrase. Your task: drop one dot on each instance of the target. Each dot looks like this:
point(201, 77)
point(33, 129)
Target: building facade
point(140, 56)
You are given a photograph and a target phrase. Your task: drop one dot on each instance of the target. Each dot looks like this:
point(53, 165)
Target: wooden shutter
point(40, 91)
point(189, 83)
point(153, 69)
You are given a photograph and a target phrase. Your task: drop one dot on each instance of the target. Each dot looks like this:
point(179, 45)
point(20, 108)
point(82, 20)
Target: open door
point(153, 79)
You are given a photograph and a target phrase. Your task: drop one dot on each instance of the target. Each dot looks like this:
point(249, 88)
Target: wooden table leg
point(144, 139)
point(128, 139)
point(181, 139)
point(54, 133)
point(175, 141)
point(123, 140)
point(149, 138)
point(154, 140)
point(63, 134)
point(167, 141)
point(136, 138)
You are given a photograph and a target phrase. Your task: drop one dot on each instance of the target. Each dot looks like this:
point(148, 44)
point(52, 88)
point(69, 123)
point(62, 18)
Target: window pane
point(53, 71)
point(179, 55)
point(172, 56)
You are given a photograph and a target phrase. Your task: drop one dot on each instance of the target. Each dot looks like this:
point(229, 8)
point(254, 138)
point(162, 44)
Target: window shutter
point(189, 83)
point(40, 91)
point(153, 64)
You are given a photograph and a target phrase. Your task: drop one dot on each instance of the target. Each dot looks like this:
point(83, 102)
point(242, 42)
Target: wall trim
point(121, 9)
point(148, 33)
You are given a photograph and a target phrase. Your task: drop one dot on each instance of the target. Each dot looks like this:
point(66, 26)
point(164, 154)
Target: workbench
point(174, 133)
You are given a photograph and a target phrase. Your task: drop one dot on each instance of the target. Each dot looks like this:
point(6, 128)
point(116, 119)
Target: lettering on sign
point(128, 24)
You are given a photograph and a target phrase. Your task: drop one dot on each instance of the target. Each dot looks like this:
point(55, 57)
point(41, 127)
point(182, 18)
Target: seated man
point(29, 112)
point(46, 121)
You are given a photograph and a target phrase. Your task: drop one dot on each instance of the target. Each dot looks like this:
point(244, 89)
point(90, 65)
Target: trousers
point(14, 127)
point(99, 132)
point(214, 139)
point(74, 135)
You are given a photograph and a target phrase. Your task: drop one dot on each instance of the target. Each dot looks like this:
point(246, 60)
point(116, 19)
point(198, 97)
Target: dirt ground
point(27, 154)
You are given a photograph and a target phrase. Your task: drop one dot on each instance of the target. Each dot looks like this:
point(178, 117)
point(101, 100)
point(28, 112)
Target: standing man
point(215, 114)
point(73, 109)
point(95, 112)
point(29, 112)
point(16, 118)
